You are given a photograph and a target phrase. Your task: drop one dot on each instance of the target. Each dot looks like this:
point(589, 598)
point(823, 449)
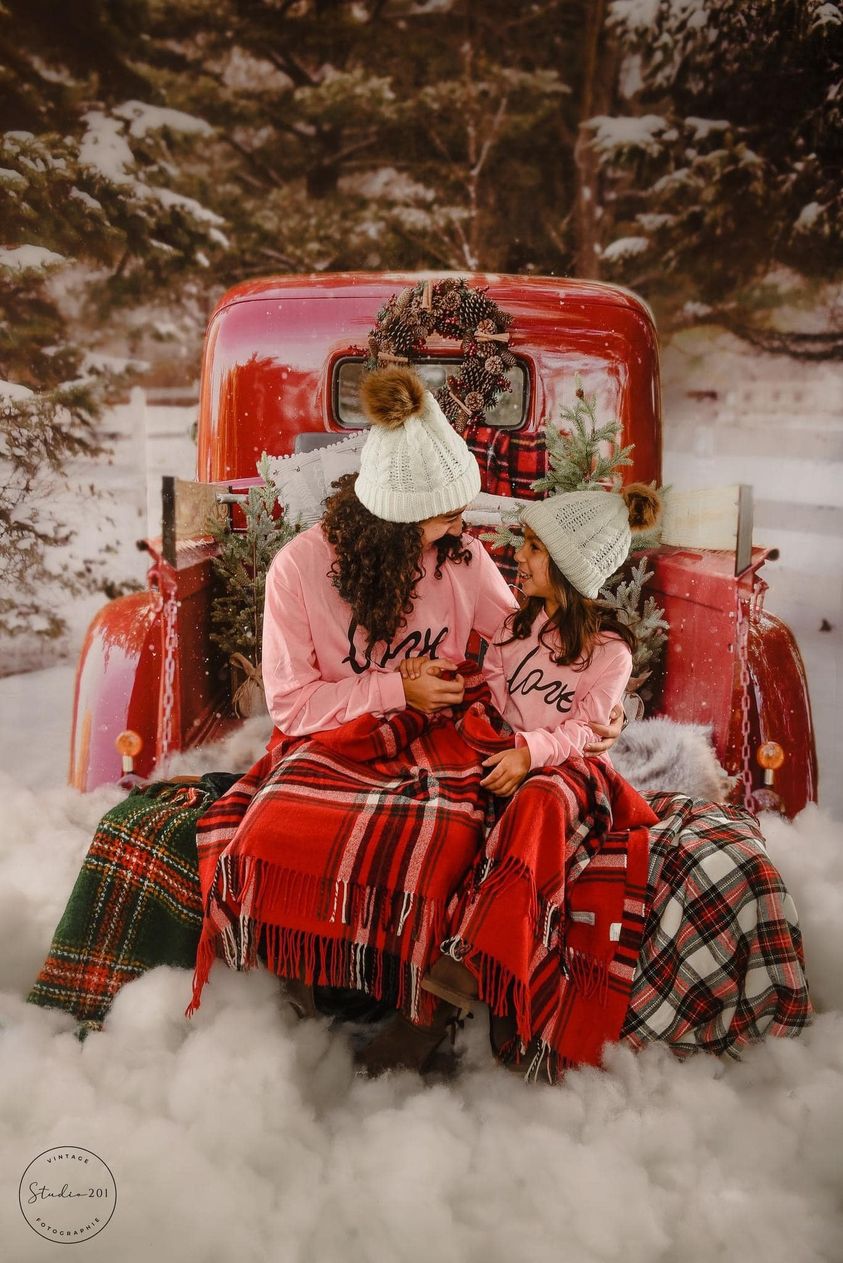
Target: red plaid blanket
point(553, 925)
point(344, 859)
point(337, 856)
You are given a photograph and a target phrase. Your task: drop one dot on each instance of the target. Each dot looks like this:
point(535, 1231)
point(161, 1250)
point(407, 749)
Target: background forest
point(156, 151)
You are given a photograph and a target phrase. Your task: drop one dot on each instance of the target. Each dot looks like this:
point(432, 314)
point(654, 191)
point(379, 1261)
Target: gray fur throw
point(660, 756)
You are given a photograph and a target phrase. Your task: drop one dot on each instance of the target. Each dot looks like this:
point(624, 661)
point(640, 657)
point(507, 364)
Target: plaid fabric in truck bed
point(721, 960)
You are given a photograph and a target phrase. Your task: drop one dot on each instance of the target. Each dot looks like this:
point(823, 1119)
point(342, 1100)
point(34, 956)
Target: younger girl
point(563, 660)
point(555, 666)
point(551, 677)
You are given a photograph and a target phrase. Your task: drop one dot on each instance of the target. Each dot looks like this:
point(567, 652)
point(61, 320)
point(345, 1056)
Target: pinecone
point(475, 307)
point(494, 365)
point(472, 374)
point(403, 300)
point(475, 402)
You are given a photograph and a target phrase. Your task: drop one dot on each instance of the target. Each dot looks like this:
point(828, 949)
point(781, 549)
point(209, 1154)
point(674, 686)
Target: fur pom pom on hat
point(644, 504)
point(589, 533)
point(391, 396)
point(413, 464)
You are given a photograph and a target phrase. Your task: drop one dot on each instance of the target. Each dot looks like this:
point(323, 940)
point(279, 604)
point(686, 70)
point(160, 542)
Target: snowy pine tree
point(720, 170)
point(94, 221)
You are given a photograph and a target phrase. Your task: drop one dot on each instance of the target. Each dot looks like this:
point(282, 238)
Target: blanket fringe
point(588, 974)
point(318, 960)
point(205, 956)
point(497, 986)
point(539, 1061)
point(493, 878)
point(266, 892)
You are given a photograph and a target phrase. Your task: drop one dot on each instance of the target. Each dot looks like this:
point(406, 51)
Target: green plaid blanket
point(136, 902)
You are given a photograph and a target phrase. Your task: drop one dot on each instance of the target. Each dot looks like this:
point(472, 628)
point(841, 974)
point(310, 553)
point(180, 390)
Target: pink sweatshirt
point(315, 667)
point(548, 706)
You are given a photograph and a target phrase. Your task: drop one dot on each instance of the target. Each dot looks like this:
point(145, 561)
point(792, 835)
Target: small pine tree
point(625, 597)
point(574, 458)
point(240, 570)
point(573, 455)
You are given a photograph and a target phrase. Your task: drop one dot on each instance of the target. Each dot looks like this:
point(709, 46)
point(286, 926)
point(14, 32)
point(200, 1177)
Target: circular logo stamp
point(67, 1194)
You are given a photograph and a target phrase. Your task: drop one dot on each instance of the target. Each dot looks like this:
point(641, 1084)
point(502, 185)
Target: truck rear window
point(508, 413)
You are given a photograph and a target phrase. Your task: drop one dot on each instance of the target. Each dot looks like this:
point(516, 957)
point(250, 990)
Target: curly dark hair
point(378, 563)
point(575, 627)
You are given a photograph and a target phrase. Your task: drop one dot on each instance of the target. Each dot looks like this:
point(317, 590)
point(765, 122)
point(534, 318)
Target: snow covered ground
point(242, 1135)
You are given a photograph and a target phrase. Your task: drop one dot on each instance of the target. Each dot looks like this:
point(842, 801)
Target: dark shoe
point(453, 982)
point(502, 1035)
point(402, 1044)
point(300, 997)
point(526, 1066)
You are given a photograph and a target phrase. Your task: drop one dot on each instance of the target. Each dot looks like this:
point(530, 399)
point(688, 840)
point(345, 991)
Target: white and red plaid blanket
point(721, 960)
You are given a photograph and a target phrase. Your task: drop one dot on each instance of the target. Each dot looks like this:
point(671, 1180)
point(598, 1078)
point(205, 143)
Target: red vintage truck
point(280, 367)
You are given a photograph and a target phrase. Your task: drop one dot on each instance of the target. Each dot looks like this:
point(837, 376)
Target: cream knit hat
point(587, 533)
point(413, 464)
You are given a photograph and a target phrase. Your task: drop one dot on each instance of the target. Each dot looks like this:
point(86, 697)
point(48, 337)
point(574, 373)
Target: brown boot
point(402, 1044)
point(453, 982)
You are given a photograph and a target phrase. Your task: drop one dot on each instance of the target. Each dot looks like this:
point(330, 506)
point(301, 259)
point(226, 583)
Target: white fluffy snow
point(143, 118)
point(611, 135)
point(625, 248)
point(28, 258)
point(15, 391)
point(104, 147)
point(245, 1135)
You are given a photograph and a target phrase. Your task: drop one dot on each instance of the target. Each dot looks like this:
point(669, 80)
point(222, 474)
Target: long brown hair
point(574, 629)
point(378, 563)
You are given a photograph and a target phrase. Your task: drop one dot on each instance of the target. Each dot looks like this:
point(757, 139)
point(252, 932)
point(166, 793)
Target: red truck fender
point(118, 681)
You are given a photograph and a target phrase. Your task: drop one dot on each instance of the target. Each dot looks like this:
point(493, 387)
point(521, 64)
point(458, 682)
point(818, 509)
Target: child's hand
point(509, 767)
point(607, 734)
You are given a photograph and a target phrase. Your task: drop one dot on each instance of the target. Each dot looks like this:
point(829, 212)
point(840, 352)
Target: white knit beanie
point(413, 464)
point(587, 533)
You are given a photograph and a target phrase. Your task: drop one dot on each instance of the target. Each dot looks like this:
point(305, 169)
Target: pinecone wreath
point(454, 310)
